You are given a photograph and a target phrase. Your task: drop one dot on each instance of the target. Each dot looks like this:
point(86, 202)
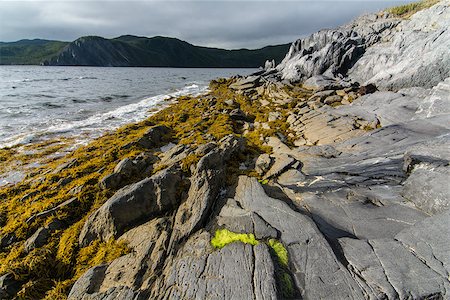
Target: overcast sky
point(226, 24)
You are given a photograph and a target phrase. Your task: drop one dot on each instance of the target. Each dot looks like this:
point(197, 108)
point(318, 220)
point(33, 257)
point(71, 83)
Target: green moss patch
point(224, 237)
point(280, 251)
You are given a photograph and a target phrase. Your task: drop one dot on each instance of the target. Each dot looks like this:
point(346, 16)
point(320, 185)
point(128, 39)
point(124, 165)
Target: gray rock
point(291, 176)
point(415, 54)
point(206, 182)
point(125, 167)
point(282, 162)
point(198, 272)
point(132, 204)
point(429, 240)
point(111, 181)
point(88, 283)
point(428, 188)
point(40, 237)
point(317, 272)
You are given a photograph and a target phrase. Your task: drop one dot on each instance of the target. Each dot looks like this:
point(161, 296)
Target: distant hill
point(133, 51)
point(29, 52)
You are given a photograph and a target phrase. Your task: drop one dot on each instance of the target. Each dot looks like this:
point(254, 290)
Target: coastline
point(307, 185)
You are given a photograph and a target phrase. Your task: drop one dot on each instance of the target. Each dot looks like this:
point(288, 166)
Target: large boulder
point(132, 204)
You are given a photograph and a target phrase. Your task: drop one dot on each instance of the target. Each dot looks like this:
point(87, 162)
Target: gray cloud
point(227, 24)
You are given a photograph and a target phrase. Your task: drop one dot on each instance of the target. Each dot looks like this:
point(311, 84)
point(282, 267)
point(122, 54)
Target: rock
point(398, 61)
point(111, 181)
point(273, 116)
point(306, 247)
point(246, 83)
point(206, 182)
point(332, 99)
point(40, 237)
point(282, 162)
point(153, 137)
point(88, 282)
point(68, 203)
point(135, 203)
point(263, 163)
point(427, 187)
point(37, 240)
point(291, 176)
point(321, 83)
point(8, 286)
point(124, 167)
point(322, 94)
point(269, 64)
point(197, 272)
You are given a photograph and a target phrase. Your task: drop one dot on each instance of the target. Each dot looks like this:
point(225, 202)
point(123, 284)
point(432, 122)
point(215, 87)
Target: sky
point(229, 24)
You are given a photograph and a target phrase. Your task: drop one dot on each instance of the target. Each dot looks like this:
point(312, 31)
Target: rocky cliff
point(305, 181)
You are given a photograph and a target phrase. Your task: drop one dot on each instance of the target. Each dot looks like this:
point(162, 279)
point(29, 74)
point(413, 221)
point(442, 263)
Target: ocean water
point(37, 102)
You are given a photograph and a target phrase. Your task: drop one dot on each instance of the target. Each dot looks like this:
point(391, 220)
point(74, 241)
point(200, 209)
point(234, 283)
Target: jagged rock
point(236, 219)
point(415, 54)
point(132, 204)
point(206, 181)
point(322, 94)
point(131, 271)
point(429, 240)
point(291, 176)
point(125, 167)
point(8, 286)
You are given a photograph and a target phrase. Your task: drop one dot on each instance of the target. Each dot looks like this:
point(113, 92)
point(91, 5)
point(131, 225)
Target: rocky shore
point(323, 177)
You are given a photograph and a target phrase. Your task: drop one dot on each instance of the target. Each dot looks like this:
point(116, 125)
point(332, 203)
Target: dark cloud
point(227, 24)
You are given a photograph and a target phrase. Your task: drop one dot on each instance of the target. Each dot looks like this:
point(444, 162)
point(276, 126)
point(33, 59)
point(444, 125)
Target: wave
point(20, 139)
point(133, 112)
